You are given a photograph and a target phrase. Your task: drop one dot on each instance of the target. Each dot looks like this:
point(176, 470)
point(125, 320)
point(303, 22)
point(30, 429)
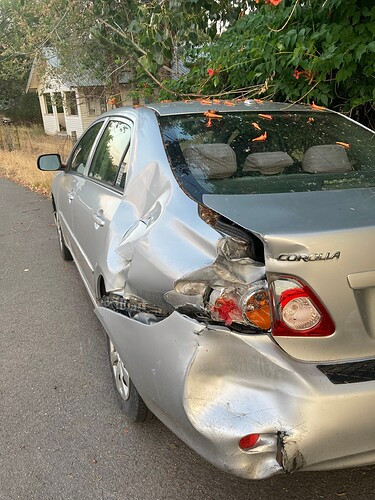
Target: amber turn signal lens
point(258, 310)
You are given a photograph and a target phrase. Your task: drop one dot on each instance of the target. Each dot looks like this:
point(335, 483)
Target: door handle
point(97, 218)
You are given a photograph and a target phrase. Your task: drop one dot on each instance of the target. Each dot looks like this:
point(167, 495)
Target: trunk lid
point(326, 238)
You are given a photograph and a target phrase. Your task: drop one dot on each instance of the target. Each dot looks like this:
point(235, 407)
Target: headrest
point(326, 158)
point(267, 163)
point(216, 161)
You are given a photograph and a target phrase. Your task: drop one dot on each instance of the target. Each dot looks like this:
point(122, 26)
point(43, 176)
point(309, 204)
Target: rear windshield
point(277, 152)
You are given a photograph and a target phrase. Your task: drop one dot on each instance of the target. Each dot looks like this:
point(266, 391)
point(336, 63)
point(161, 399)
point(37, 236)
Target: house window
point(48, 104)
point(57, 98)
point(91, 106)
point(71, 103)
point(103, 104)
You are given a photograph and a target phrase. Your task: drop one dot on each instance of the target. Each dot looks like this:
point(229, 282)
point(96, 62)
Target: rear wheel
point(64, 250)
point(130, 401)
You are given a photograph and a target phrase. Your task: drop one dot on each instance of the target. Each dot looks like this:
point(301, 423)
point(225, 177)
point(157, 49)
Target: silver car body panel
point(211, 386)
point(314, 223)
point(207, 383)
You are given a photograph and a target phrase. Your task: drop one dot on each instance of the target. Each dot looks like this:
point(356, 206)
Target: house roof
point(32, 83)
point(83, 77)
point(178, 69)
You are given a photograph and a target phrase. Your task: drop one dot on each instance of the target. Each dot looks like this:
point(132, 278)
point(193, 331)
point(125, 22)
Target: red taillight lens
point(297, 312)
point(243, 305)
point(249, 441)
point(226, 309)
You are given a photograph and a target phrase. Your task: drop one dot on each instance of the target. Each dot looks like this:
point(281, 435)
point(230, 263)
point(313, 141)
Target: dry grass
point(19, 150)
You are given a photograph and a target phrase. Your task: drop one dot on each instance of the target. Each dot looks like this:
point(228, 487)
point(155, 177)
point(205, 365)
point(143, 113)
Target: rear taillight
point(249, 306)
point(297, 311)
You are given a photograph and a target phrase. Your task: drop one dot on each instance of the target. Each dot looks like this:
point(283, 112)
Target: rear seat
point(267, 163)
point(329, 158)
point(212, 161)
point(217, 164)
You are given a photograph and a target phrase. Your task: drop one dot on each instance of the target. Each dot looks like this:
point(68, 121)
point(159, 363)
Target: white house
point(68, 107)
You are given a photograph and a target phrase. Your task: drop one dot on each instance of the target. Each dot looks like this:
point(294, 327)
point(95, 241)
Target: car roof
point(189, 107)
point(196, 107)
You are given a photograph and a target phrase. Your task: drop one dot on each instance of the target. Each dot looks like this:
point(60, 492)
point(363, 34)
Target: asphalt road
point(62, 435)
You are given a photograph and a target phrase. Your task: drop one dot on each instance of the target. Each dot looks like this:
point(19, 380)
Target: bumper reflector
point(249, 441)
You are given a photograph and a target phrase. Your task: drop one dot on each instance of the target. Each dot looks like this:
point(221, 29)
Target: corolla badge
point(295, 257)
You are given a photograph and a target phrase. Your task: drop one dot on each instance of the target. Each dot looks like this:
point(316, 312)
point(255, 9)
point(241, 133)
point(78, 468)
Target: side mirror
point(50, 163)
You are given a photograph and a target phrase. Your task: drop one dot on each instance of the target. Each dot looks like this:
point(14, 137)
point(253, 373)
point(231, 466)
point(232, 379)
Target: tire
point(64, 250)
point(129, 399)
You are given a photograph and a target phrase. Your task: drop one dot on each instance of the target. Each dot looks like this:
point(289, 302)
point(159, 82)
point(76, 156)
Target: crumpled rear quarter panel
point(211, 387)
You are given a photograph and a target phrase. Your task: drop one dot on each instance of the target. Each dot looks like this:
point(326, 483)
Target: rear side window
point(108, 161)
point(83, 149)
point(274, 152)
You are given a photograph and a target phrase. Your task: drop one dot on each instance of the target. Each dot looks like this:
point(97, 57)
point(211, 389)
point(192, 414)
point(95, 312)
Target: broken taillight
point(247, 306)
point(297, 311)
point(226, 307)
point(257, 310)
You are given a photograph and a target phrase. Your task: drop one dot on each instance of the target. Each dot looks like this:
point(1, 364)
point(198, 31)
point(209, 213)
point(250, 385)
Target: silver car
point(228, 249)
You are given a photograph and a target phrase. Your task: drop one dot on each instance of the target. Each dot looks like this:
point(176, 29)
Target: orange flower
point(209, 123)
point(274, 2)
point(216, 101)
point(306, 73)
point(212, 72)
point(310, 119)
point(319, 108)
point(166, 100)
point(229, 103)
point(256, 126)
point(344, 144)
point(205, 101)
point(211, 113)
point(261, 138)
point(258, 101)
point(266, 117)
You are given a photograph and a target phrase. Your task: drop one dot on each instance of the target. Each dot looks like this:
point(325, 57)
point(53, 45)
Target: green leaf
point(193, 37)
point(324, 99)
point(359, 52)
point(159, 58)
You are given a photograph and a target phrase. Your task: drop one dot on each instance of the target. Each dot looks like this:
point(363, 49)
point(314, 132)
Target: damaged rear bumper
point(211, 387)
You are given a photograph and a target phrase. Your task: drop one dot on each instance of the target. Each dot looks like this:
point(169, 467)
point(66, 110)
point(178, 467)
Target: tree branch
point(123, 35)
point(287, 21)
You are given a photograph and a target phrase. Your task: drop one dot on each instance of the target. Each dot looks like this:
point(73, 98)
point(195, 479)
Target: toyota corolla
point(228, 249)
